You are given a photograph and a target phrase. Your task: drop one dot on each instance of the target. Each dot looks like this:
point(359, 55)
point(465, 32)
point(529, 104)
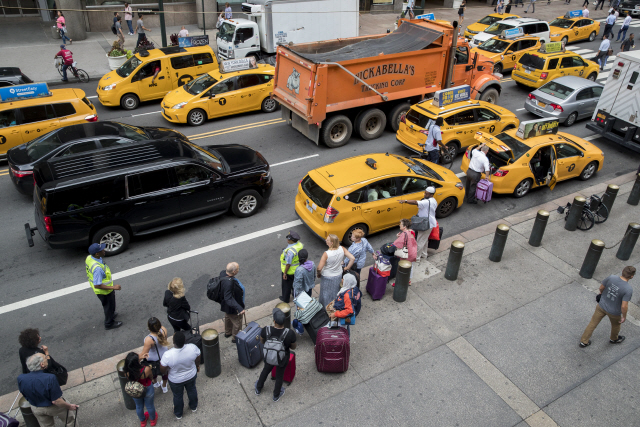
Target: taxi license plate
point(163, 112)
point(309, 207)
point(541, 104)
point(527, 71)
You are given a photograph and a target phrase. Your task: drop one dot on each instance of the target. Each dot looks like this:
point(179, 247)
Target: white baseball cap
point(431, 190)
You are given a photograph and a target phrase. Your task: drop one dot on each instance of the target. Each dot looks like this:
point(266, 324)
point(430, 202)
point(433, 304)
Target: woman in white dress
point(330, 269)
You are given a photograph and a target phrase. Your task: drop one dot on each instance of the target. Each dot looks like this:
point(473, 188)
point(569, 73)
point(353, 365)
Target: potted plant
point(174, 39)
point(145, 44)
point(116, 56)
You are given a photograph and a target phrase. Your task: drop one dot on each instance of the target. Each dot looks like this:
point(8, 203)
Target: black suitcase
point(193, 336)
point(320, 319)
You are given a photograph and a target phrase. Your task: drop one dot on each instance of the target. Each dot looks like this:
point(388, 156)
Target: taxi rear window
point(518, 149)
point(418, 118)
point(532, 61)
point(317, 195)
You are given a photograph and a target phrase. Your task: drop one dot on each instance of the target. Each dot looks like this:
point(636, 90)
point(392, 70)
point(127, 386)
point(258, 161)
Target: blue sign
point(193, 41)
point(32, 90)
point(451, 95)
point(574, 13)
point(428, 17)
point(514, 32)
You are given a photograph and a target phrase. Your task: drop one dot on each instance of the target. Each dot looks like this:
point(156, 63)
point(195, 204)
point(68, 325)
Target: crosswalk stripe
point(582, 51)
point(603, 75)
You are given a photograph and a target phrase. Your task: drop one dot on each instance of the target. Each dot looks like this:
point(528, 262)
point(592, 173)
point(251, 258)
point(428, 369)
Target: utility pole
point(163, 30)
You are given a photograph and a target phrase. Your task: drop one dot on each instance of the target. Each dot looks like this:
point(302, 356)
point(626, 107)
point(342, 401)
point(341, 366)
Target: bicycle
point(80, 74)
point(593, 212)
point(446, 156)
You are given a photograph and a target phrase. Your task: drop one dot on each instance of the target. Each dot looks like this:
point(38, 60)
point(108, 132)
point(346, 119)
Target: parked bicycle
point(80, 74)
point(593, 212)
point(446, 156)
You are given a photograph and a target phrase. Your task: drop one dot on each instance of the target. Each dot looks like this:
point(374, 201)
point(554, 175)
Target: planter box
point(116, 61)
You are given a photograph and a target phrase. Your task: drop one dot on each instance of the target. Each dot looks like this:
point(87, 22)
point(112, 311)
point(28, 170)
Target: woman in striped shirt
point(359, 249)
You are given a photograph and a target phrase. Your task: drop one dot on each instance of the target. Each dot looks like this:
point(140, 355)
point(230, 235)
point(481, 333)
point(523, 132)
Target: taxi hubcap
point(113, 241)
point(523, 188)
point(247, 204)
point(196, 117)
point(130, 102)
point(589, 171)
point(338, 132)
point(270, 104)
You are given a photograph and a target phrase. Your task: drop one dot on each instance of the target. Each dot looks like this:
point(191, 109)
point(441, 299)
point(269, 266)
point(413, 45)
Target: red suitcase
point(376, 284)
point(332, 350)
point(289, 370)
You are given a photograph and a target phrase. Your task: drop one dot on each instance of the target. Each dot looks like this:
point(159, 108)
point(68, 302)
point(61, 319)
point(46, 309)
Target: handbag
point(435, 232)
point(58, 370)
point(154, 364)
point(349, 320)
point(419, 223)
point(404, 251)
point(135, 389)
point(435, 244)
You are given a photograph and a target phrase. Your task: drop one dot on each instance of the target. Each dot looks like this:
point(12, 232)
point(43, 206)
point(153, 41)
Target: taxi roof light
point(371, 163)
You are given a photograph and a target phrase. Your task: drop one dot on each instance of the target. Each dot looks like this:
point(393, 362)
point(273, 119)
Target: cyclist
point(67, 58)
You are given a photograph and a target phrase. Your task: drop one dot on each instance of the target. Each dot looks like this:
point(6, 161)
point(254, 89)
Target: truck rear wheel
point(490, 95)
point(371, 123)
point(396, 113)
point(337, 131)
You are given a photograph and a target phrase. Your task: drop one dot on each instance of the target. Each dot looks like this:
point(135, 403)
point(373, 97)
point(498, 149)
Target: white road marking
point(590, 137)
point(91, 97)
point(150, 266)
point(603, 75)
point(582, 51)
point(520, 109)
point(461, 174)
point(294, 160)
point(146, 114)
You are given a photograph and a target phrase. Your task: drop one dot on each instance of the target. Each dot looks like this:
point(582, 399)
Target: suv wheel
point(246, 203)
point(115, 237)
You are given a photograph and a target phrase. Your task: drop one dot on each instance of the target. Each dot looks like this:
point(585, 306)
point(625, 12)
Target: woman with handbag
point(348, 301)
point(427, 219)
point(140, 388)
point(330, 269)
point(178, 308)
point(406, 245)
point(155, 344)
point(29, 340)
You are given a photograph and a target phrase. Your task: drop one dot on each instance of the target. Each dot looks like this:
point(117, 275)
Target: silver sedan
point(566, 98)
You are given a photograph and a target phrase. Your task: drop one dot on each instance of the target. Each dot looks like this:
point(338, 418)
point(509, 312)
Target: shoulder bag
point(421, 223)
point(403, 252)
point(135, 389)
point(154, 364)
point(58, 370)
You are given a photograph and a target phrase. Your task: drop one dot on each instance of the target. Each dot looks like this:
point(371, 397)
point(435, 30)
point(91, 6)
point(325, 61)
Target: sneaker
point(583, 345)
point(619, 340)
point(178, 417)
point(154, 422)
point(165, 389)
point(194, 410)
point(144, 423)
point(65, 80)
point(158, 384)
point(255, 386)
point(275, 399)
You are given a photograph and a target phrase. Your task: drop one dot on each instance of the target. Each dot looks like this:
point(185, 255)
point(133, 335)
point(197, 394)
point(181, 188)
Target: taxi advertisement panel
point(533, 128)
point(449, 96)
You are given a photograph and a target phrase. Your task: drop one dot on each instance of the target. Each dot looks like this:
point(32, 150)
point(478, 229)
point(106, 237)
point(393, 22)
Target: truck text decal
point(381, 70)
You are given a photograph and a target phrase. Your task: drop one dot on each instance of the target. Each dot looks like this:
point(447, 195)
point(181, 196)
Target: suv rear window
point(418, 118)
point(85, 196)
point(532, 61)
point(316, 193)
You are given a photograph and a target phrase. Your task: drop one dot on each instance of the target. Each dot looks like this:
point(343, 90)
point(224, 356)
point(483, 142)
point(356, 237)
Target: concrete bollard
point(128, 400)
point(286, 309)
point(211, 353)
point(455, 258)
point(628, 242)
point(30, 419)
point(402, 281)
point(539, 225)
point(575, 213)
point(499, 241)
point(591, 259)
point(634, 196)
point(610, 196)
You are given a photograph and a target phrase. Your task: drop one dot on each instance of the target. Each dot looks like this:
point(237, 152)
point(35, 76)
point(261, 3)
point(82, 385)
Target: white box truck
point(617, 114)
point(273, 22)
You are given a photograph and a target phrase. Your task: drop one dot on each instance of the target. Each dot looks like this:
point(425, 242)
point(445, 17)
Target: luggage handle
point(244, 316)
point(75, 420)
point(197, 320)
point(11, 409)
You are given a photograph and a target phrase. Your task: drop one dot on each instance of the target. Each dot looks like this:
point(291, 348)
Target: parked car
point(11, 76)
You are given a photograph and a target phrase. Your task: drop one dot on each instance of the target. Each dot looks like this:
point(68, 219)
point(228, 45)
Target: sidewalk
point(497, 347)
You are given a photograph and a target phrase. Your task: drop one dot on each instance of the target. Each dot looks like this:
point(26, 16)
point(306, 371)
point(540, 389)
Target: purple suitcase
point(484, 190)
point(376, 285)
point(332, 350)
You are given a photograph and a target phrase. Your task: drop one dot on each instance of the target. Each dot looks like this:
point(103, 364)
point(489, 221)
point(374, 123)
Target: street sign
point(533, 128)
point(512, 33)
point(427, 16)
point(31, 90)
point(240, 64)
point(193, 41)
point(451, 95)
point(551, 47)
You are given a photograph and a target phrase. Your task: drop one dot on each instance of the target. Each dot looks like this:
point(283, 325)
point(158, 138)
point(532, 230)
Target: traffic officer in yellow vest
point(288, 263)
point(99, 276)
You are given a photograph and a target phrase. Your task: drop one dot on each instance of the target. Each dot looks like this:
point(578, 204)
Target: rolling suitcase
point(319, 320)
point(249, 345)
point(193, 336)
point(332, 350)
point(289, 370)
point(484, 189)
point(376, 285)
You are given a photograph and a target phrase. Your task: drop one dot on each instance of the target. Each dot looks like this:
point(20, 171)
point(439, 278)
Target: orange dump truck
point(332, 88)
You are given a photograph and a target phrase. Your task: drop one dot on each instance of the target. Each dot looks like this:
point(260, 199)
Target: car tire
point(571, 120)
point(346, 239)
point(497, 68)
point(565, 39)
point(196, 117)
point(371, 123)
point(336, 132)
point(446, 207)
point(246, 203)
point(588, 171)
point(129, 101)
point(490, 95)
point(115, 237)
point(396, 113)
point(523, 188)
point(269, 105)
point(592, 77)
point(592, 36)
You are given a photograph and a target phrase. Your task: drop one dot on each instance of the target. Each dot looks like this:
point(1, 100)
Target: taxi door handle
point(15, 131)
point(161, 78)
point(367, 210)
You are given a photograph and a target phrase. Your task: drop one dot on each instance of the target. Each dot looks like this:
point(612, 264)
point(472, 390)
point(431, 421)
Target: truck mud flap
point(300, 124)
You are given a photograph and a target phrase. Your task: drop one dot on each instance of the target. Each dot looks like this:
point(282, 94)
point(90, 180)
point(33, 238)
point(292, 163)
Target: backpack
point(113, 29)
point(214, 290)
point(273, 350)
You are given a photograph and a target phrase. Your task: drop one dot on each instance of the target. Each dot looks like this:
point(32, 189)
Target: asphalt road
point(72, 326)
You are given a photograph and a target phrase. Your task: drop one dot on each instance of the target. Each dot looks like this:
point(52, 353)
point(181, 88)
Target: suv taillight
point(48, 225)
point(330, 214)
point(20, 174)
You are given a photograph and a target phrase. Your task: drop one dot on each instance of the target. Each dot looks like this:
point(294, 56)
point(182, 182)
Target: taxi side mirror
point(509, 52)
point(212, 95)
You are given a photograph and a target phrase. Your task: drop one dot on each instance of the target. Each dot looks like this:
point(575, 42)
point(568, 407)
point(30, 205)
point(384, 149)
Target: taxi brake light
point(20, 174)
point(403, 119)
point(466, 154)
point(500, 173)
point(543, 76)
point(515, 67)
point(330, 214)
point(531, 96)
point(556, 107)
point(48, 225)
point(92, 118)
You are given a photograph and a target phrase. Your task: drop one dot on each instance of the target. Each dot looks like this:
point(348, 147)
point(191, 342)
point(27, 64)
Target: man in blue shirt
point(609, 23)
point(44, 395)
point(99, 276)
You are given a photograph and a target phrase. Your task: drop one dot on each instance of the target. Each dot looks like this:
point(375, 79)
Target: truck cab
point(238, 38)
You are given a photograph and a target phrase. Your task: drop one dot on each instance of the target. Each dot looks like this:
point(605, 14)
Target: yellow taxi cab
point(30, 110)
point(462, 120)
point(362, 192)
point(536, 155)
point(485, 22)
point(573, 27)
point(238, 87)
point(536, 69)
point(136, 79)
point(504, 52)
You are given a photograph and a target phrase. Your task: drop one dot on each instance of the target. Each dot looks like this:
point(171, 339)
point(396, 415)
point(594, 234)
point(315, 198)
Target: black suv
point(11, 76)
point(74, 139)
point(109, 195)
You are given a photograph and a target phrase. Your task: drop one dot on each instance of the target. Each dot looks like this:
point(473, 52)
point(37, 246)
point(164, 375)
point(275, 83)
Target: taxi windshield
point(517, 148)
point(200, 84)
point(128, 67)
point(488, 20)
point(494, 46)
point(226, 31)
point(561, 23)
point(532, 61)
point(556, 90)
point(419, 168)
point(498, 28)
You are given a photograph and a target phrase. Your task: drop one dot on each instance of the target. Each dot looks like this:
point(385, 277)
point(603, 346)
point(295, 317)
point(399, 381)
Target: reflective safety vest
point(295, 262)
point(91, 265)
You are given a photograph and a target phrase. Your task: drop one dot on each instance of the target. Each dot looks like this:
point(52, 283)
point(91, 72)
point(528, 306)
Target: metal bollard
point(30, 419)
point(402, 281)
point(591, 259)
point(286, 309)
point(499, 241)
point(634, 196)
point(610, 196)
point(628, 241)
point(455, 258)
point(539, 225)
point(575, 213)
point(128, 400)
point(211, 353)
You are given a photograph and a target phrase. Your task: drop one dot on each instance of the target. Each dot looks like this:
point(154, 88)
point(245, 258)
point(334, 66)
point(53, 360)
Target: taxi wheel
point(396, 113)
point(269, 105)
point(592, 36)
point(571, 119)
point(129, 102)
point(371, 123)
point(446, 207)
point(565, 40)
point(589, 171)
point(115, 237)
point(246, 203)
point(337, 131)
point(490, 95)
point(592, 77)
point(196, 117)
point(346, 239)
point(523, 188)
point(497, 68)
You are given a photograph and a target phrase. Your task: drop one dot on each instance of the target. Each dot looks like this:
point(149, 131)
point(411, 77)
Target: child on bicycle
point(67, 58)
